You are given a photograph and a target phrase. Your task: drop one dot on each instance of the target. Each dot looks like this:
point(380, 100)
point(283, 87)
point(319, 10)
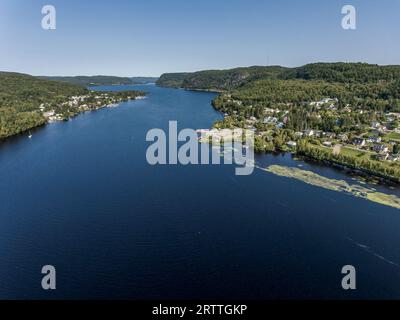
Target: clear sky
point(150, 37)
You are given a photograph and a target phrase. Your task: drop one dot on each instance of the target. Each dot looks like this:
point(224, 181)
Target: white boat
point(30, 135)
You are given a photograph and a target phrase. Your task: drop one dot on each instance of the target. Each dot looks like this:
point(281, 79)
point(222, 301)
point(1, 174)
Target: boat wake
point(369, 250)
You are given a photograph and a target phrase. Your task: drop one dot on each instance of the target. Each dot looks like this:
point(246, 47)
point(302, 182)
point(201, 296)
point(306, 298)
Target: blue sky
point(129, 37)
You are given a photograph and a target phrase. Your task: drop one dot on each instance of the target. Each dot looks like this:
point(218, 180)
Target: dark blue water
point(81, 196)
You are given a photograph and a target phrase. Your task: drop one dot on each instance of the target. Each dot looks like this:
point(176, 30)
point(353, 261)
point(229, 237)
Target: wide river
point(81, 196)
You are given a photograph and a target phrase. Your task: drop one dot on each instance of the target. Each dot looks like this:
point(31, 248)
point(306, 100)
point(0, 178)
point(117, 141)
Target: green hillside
point(20, 98)
point(219, 80)
point(226, 80)
point(344, 72)
point(24, 101)
point(337, 102)
point(172, 80)
point(143, 80)
point(87, 81)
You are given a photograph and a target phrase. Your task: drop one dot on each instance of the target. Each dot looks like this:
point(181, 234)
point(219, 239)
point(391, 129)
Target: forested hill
point(20, 98)
point(143, 80)
point(219, 80)
point(225, 80)
point(367, 86)
point(173, 80)
point(27, 102)
point(344, 72)
point(91, 81)
point(23, 92)
point(87, 81)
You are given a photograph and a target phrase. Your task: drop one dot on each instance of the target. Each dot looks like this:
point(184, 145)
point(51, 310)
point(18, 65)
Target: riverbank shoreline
point(349, 170)
point(369, 177)
point(365, 191)
point(79, 112)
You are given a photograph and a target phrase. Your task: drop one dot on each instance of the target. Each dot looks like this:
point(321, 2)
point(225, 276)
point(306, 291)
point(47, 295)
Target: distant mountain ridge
point(219, 80)
point(225, 80)
point(342, 72)
point(88, 81)
point(143, 80)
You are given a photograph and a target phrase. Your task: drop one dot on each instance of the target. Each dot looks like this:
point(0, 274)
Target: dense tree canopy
point(21, 97)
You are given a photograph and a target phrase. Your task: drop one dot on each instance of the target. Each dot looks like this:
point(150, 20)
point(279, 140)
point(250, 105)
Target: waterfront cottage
point(318, 133)
point(49, 114)
point(380, 148)
point(375, 124)
point(330, 135)
point(309, 133)
point(359, 142)
point(270, 120)
point(374, 139)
